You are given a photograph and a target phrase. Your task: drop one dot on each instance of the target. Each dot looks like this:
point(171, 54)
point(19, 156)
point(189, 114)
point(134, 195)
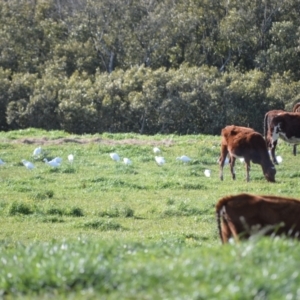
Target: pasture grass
point(98, 228)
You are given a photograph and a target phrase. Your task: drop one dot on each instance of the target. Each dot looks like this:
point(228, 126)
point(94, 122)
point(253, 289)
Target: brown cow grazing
point(285, 126)
point(245, 142)
point(267, 120)
point(243, 215)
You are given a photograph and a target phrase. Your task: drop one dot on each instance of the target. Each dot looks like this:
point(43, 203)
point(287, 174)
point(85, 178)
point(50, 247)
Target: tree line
point(147, 66)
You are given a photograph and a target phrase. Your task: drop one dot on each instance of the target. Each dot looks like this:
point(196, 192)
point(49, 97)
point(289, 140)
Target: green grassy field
point(101, 229)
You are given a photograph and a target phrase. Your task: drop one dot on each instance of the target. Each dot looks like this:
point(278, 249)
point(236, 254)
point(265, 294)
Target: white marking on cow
point(241, 158)
point(236, 156)
point(275, 134)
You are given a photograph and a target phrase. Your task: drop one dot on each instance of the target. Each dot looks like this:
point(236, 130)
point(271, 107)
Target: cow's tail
point(218, 217)
point(266, 125)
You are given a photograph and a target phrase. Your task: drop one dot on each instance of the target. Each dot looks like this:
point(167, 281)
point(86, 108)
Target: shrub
point(115, 212)
point(20, 208)
point(55, 211)
point(76, 212)
point(103, 225)
point(43, 195)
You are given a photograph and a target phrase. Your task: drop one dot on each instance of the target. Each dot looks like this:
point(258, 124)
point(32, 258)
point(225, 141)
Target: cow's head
point(270, 174)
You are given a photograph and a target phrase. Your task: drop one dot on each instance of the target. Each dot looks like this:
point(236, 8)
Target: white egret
point(29, 165)
point(207, 173)
point(160, 160)
point(57, 159)
point(115, 156)
point(279, 159)
point(37, 151)
point(156, 150)
point(242, 159)
point(127, 161)
point(184, 158)
point(52, 163)
point(71, 158)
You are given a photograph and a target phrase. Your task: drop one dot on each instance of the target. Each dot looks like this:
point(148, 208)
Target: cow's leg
point(233, 232)
point(247, 166)
point(274, 144)
point(227, 227)
point(225, 233)
point(274, 140)
point(295, 149)
point(224, 152)
point(232, 163)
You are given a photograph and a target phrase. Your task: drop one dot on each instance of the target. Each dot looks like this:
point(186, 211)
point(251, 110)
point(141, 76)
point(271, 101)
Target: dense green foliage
point(263, 269)
point(146, 66)
point(98, 229)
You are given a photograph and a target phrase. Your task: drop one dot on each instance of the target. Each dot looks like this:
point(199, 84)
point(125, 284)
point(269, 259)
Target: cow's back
point(289, 123)
point(233, 133)
point(244, 140)
point(245, 211)
point(276, 203)
point(288, 120)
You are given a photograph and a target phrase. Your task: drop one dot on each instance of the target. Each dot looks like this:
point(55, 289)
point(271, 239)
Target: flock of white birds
point(37, 152)
point(160, 160)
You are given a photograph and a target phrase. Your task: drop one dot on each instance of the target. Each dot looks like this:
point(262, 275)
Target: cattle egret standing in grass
point(156, 150)
point(1, 162)
point(127, 161)
point(71, 158)
point(52, 163)
point(115, 156)
point(57, 159)
point(160, 160)
point(279, 159)
point(242, 159)
point(29, 165)
point(184, 158)
point(207, 173)
point(37, 151)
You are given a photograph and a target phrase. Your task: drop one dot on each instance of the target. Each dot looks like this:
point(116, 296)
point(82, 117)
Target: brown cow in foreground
point(245, 142)
point(243, 215)
point(269, 116)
